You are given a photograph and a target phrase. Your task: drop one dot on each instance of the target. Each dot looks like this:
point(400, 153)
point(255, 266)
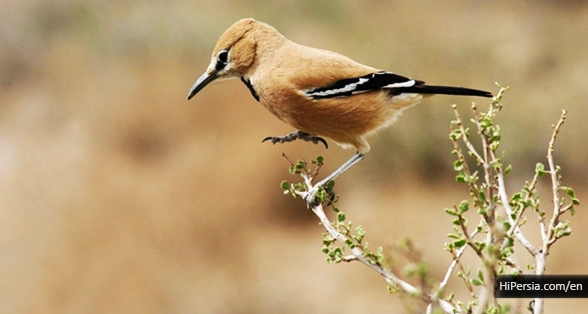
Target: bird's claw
point(278, 139)
point(297, 135)
point(315, 140)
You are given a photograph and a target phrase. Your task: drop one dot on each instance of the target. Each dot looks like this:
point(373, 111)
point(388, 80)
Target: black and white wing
point(362, 84)
point(394, 84)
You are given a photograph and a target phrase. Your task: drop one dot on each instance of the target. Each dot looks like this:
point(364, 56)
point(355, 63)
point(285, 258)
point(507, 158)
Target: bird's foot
point(296, 135)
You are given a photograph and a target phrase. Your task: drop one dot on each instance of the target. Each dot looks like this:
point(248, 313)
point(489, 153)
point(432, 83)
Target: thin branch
point(516, 230)
point(469, 239)
point(464, 132)
point(555, 179)
point(457, 255)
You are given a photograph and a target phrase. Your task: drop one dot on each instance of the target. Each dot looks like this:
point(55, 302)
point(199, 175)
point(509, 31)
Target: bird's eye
point(222, 60)
point(223, 56)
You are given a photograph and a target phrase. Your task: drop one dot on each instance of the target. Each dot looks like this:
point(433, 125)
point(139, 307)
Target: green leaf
point(562, 229)
point(461, 177)
point(285, 185)
point(451, 211)
point(299, 187)
point(340, 217)
point(330, 185)
point(349, 243)
point(506, 252)
point(476, 282)
point(482, 196)
point(480, 275)
point(328, 239)
point(515, 198)
point(473, 178)
point(459, 243)
point(458, 165)
point(359, 233)
point(464, 206)
point(572, 194)
point(380, 254)
point(540, 169)
point(322, 195)
point(318, 160)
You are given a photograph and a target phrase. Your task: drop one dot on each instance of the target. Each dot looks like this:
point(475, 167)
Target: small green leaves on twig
point(540, 169)
point(353, 239)
point(344, 243)
point(301, 168)
point(481, 169)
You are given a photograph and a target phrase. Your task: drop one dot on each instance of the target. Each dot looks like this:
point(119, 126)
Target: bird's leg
point(311, 195)
point(296, 135)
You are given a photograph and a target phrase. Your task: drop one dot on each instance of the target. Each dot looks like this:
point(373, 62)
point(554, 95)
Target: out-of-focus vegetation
point(120, 196)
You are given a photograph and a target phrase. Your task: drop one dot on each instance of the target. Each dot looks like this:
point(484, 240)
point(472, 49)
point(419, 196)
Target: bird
point(320, 93)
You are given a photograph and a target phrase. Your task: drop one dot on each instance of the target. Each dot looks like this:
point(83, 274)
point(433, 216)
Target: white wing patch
point(350, 88)
point(400, 85)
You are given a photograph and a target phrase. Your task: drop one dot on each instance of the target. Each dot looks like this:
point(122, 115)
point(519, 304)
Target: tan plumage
point(284, 77)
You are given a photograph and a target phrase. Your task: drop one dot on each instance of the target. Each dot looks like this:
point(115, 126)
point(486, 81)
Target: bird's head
point(232, 56)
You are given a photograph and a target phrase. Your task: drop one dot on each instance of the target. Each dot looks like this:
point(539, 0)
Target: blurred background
point(119, 196)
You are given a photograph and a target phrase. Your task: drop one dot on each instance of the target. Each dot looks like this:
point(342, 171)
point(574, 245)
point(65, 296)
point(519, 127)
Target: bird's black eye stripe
point(222, 59)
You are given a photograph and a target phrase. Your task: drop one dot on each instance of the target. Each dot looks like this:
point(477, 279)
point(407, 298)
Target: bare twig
point(548, 233)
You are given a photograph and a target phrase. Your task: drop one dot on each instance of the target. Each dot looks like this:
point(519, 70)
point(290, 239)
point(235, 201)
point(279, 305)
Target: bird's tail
point(445, 90)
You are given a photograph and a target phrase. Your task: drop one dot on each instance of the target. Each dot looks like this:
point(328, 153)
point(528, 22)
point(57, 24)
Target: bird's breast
point(343, 119)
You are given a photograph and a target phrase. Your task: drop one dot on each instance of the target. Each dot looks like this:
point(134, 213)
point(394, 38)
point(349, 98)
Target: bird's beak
point(201, 82)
